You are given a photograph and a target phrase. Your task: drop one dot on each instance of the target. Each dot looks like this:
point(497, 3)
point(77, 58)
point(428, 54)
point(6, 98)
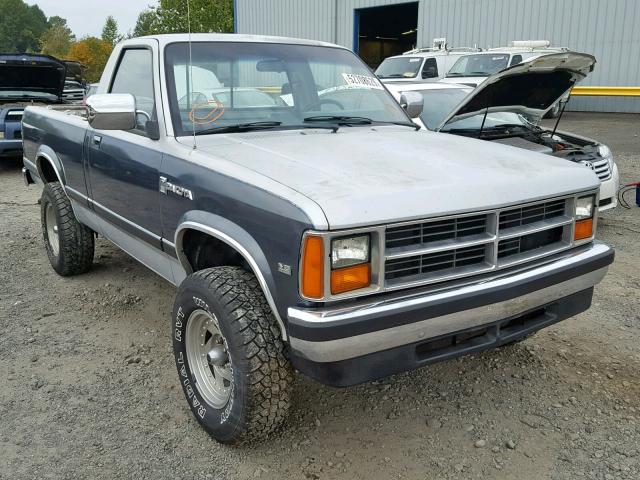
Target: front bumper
point(609, 191)
point(348, 345)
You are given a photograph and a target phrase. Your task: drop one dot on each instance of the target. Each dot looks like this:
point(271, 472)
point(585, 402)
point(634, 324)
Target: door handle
point(97, 139)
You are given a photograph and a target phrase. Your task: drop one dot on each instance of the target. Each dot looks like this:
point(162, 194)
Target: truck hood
point(530, 88)
point(367, 176)
point(27, 73)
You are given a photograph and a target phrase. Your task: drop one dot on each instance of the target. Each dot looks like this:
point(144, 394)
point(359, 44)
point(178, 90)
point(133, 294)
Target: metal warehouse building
point(375, 29)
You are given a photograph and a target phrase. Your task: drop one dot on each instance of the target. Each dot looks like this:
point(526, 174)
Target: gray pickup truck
point(304, 220)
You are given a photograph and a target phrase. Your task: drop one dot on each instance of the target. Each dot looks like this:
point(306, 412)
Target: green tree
point(57, 21)
point(146, 24)
point(57, 40)
point(206, 16)
point(93, 53)
point(110, 31)
point(21, 26)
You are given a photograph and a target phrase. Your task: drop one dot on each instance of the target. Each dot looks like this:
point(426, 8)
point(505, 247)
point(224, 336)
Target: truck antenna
point(190, 70)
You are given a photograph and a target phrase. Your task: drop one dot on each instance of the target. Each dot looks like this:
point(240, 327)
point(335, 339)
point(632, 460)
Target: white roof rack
point(531, 43)
point(528, 46)
point(440, 45)
point(442, 50)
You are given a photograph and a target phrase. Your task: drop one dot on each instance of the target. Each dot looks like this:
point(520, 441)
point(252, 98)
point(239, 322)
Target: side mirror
point(112, 111)
point(412, 102)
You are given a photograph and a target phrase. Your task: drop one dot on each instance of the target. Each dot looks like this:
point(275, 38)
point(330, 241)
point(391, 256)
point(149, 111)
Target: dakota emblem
point(166, 187)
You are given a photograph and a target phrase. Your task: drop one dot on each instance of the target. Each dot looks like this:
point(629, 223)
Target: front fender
point(239, 239)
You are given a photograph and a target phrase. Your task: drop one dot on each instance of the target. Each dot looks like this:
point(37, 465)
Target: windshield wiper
point(240, 127)
point(264, 125)
point(340, 119)
point(353, 120)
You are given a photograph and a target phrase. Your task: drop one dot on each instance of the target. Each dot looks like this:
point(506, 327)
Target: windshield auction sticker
point(362, 81)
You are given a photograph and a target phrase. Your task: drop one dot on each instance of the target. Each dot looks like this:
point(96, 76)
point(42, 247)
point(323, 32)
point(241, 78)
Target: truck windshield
point(479, 65)
point(399, 67)
point(27, 94)
point(494, 120)
point(439, 103)
point(232, 83)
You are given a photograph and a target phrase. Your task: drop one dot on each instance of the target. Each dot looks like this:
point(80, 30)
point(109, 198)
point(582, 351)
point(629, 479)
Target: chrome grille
point(464, 245)
point(518, 217)
point(435, 262)
point(601, 167)
point(527, 243)
point(73, 95)
point(427, 232)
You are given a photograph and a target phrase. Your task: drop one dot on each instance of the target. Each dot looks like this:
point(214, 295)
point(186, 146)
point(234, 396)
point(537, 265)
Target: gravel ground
point(89, 388)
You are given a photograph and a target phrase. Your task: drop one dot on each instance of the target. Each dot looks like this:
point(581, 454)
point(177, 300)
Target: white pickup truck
point(508, 108)
point(322, 233)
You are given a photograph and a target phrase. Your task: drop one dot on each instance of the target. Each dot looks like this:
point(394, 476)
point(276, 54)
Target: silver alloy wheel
point(52, 229)
point(208, 358)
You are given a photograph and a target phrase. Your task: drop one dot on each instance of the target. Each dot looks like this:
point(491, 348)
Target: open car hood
point(530, 88)
point(23, 72)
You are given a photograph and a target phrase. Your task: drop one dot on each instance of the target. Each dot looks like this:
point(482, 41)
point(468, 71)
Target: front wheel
point(229, 354)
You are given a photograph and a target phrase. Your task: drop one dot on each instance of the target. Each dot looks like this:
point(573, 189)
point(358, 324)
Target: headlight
point(605, 152)
point(584, 207)
point(349, 251)
point(335, 264)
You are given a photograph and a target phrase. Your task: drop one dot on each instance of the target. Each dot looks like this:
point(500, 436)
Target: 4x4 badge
point(166, 186)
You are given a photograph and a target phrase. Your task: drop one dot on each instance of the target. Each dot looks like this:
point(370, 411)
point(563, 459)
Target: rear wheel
point(230, 357)
point(69, 244)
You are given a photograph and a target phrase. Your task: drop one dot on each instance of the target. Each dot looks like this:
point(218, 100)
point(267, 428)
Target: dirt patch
point(89, 387)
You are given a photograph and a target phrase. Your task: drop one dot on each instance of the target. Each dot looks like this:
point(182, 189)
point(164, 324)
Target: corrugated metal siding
point(603, 28)
point(608, 29)
point(314, 19)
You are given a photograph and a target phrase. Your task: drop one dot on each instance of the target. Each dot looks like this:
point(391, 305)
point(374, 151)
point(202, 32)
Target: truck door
point(124, 165)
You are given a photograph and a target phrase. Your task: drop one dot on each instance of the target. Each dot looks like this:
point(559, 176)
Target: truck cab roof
point(168, 38)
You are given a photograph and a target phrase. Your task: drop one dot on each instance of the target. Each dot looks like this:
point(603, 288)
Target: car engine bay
point(569, 148)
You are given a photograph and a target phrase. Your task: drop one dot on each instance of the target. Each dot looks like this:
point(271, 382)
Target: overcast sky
point(86, 17)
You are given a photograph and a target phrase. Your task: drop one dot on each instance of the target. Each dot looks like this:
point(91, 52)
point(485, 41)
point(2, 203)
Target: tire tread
point(270, 374)
point(75, 239)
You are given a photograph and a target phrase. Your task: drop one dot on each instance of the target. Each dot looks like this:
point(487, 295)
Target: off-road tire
point(262, 375)
point(75, 241)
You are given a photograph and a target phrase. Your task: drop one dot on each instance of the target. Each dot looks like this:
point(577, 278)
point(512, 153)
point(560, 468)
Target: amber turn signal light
point(584, 229)
point(313, 268)
point(350, 278)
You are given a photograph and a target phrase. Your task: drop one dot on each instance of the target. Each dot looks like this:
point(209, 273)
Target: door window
point(430, 68)
point(516, 59)
point(134, 75)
